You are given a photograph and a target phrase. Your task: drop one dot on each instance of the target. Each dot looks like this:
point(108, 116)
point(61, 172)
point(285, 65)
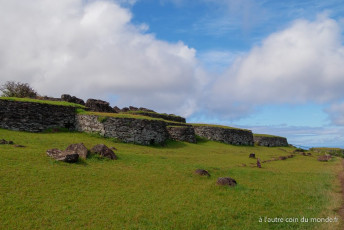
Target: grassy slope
point(155, 188)
point(123, 115)
point(218, 126)
point(264, 135)
point(64, 103)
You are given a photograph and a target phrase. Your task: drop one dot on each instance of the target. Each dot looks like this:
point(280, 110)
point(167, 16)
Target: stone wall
point(162, 116)
point(182, 133)
point(225, 135)
point(35, 117)
point(270, 141)
point(130, 130)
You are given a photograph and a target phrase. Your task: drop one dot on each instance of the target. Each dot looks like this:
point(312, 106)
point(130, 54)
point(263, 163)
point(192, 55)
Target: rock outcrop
point(72, 99)
point(99, 106)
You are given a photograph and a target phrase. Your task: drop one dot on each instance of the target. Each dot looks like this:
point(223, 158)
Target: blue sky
point(230, 28)
point(270, 66)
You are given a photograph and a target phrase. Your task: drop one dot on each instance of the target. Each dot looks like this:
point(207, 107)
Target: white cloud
point(299, 64)
point(336, 113)
point(92, 50)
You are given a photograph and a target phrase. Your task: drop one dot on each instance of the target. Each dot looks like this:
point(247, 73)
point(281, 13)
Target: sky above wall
point(271, 66)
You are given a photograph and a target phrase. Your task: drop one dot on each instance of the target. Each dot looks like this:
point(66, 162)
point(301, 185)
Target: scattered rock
point(79, 149)
point(104, 151)
point(226, 181)
point(146, 110)
point(65, 156)
point(116, 109)
point(290, 156)
point(202, 172)
point(125, 109)
point(4, 142)
point(72, 99)
point(309, 154)
point(99, 106)
point(133, 108)
point(252, 155)
point(282, 158)
point(324, 158)
point(258, 163)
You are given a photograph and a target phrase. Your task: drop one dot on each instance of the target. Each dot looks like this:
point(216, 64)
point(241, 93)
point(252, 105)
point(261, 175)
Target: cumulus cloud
point(91, 49)
point(299, 64)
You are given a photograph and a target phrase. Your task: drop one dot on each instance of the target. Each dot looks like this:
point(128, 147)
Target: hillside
point(154, 187)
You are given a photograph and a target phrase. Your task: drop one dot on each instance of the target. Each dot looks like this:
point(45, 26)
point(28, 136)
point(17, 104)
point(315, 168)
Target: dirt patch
point(341, 177)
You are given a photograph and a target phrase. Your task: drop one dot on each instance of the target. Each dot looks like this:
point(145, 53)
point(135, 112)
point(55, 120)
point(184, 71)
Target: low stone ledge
point(270, 141)
point(226, 135)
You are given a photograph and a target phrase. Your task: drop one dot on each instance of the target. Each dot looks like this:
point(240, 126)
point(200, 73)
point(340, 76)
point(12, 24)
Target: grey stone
point(104, 151)
point(65, 156)
point(72, 99)
point(226, 181)
point(252, 155)
point(202, 172)
point(79, 148)
point(99, 106)
point(324, 158)
point(116, 109)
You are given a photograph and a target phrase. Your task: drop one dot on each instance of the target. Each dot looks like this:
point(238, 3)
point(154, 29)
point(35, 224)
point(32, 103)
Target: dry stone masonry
point(35, 117)
point(226, 135)
point(130, 130)
point(182, 133)
point(270, 141)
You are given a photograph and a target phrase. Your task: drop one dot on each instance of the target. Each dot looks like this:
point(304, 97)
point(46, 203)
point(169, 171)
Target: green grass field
point(155, 187)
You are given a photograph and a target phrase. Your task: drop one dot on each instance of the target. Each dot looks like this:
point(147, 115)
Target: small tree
point(17, 89)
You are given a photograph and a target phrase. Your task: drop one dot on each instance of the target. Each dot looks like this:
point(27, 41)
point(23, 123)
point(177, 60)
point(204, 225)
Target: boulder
point(4, 142)
point(202, 172)
point(104, 151)
point(133, 108)
point(226, 181)
point(99, 106)
point(65, 156)
point(282, 158)
point(80, 149)
point(125, 109)
point(116, 109)
point(252, 155)
point(324, 158)
point(72, 99)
